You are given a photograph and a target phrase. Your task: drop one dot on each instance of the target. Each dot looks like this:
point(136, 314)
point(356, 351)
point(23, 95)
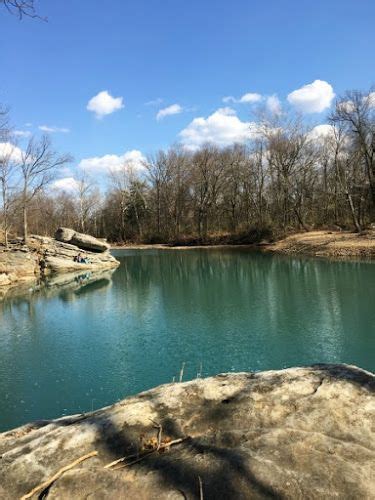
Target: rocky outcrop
point(59, 257)
point(295, 433)
point(20, 263)
point(83, 241)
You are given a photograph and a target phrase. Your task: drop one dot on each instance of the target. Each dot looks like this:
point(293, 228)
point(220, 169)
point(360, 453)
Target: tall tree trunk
point(25, 228)
point(5, 203)
point(352, 210)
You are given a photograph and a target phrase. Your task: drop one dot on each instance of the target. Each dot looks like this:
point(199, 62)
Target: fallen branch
point(144, 455)
point(59, 473)
point(200, 488)
point(160, 430)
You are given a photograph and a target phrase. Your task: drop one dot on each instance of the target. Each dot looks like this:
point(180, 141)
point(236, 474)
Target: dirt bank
point(327, 244)
point(318, 243)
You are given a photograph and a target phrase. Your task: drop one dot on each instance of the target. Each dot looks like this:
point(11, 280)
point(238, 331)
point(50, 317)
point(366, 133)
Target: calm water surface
point(75, 349)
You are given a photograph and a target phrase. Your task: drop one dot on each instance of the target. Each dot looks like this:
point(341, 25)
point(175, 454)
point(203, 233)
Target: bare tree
point(4, 122)
point(7, 176)
point(38, 168)
point(129, 191)
point(355, 113)
point(88, 199)
point(21, 8)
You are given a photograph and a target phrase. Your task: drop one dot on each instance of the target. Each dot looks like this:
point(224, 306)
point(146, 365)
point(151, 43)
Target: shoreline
point(313, 244)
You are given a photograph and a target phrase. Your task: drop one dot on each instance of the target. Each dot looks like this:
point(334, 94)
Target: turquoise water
point(72, 349)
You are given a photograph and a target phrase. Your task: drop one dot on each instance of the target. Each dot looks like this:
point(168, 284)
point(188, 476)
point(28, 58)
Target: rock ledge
point(22, 263)
point(295, 433)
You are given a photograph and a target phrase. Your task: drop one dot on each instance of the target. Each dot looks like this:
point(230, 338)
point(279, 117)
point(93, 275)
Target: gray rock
point(83, 241)
point(64, 234)
point(17, 265)
point(20, 264)
point(295, 433)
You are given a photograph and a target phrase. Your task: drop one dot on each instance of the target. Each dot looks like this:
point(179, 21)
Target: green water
point(69, 350)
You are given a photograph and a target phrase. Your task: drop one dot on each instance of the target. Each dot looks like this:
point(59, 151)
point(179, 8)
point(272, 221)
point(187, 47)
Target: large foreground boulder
point(83, 241)
point(296, 433)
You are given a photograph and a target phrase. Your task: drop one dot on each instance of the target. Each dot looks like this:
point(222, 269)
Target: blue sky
point(186, 53)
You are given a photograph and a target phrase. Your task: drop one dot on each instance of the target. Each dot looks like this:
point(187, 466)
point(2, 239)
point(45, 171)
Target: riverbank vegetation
point(291, 177)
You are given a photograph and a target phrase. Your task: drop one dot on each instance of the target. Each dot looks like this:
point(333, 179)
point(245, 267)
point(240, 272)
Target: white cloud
point(10, 151)
point(69, 184)
point(346, 106)
point(312, 98)
point(223, 128)
point(174, 109)
point(250, 97)
point(104, 104)
point(22, 133)
point(321, 132)
point(52, 129)
point(229, 98)
point(108, 163)
point(371, 99)
point(154, 102)
point(368, 100)
point(274, 104)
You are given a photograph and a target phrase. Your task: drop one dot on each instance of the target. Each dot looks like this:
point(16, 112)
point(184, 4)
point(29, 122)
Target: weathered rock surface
point(20, 264)
point(17, 264)
point(83, 241)
point(59, 256)
point(296, 433)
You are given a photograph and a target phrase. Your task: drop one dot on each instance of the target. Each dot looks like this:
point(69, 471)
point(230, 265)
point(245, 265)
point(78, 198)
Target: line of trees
point(289, 177)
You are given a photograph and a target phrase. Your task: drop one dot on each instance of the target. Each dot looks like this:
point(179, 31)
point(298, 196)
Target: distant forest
point(290, 177)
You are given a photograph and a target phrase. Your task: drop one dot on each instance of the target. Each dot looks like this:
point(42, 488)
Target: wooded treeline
point(289, 177)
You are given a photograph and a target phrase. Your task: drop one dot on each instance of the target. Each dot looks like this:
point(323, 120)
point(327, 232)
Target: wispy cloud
point(52, 129)
point(274, 105)
point(22, 133)
point(249, 97)
point(174, 109)
point(154, 102)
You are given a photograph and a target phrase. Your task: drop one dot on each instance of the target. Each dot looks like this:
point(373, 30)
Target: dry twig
point(200, 488)
point(144, 455)
point(58, 474)
point(182, 371)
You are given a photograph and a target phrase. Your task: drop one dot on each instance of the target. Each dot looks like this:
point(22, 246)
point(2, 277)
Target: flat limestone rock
point(17, 265)
point(295, 433)
point(83, 241)
point(21, 264)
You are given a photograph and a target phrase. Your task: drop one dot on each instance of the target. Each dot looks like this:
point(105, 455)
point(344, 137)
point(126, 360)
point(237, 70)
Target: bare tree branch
point(22, 8)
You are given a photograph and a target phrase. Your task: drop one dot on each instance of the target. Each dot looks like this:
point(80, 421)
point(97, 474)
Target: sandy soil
point(327, 244)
